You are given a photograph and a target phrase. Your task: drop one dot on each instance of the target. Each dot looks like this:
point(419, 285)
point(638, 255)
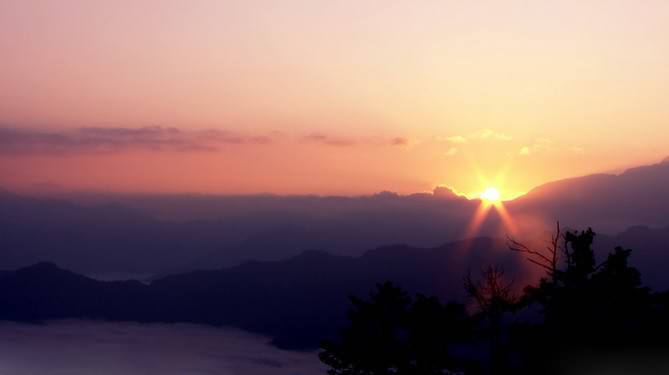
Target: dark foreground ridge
point(587, 315)
point(586, 307)
point(298, 301)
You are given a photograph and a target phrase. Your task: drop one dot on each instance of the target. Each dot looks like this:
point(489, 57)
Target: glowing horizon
point(345, 97)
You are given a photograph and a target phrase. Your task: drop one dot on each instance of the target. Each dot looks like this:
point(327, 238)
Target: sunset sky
point(328, 97)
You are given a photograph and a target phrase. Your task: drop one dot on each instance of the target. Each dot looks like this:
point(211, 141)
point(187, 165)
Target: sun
point(491, 195)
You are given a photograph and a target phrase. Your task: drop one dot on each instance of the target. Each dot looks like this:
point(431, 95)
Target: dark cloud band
point(115, 139)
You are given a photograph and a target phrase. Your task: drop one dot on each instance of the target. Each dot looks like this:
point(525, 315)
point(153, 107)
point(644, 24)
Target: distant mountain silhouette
point(298, 301)
point(44, 291)
point(97, 238)
point(161, 234)
point(651, 251)
point(115, 237)
point(609, 202)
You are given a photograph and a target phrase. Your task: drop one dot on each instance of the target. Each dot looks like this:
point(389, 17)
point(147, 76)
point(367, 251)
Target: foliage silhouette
point(494, 297)
point(393, 334)
point(577, 310)
point(587, 308)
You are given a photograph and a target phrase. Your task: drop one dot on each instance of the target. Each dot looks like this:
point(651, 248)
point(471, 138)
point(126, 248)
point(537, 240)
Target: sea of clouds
point(105, 348)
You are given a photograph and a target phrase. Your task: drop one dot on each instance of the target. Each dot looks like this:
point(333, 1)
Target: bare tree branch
point(548, 259)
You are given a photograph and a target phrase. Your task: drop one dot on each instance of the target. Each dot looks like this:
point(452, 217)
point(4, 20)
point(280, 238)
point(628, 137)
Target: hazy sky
point(328, 96)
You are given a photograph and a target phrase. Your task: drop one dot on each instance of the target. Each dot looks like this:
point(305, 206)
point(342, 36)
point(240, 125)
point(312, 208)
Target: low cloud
point(86, 140)
point(399, 141)
point(540, 145)
point(117, 139)
point(76, 347)
point(483, 134)
point(451, 151)
point(457, 139)
point(329, 140)
point(493, 135)
point(338, 141)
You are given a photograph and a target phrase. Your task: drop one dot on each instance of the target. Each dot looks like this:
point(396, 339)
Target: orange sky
point(343, 97)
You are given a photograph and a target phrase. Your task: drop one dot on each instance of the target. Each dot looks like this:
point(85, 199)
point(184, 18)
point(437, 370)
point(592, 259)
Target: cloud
point(451, 151)
point(483, 134)
point(87, 140)
point(116, 139)
point(491, 134)
point(399, 141)
point(337, 141)
point(543, 144)
point(165, 348)
point(329, 140)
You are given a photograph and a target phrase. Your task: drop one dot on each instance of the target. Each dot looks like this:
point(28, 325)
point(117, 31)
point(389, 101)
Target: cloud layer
point(339, 141)
point(21, 141)
point(84, 347)
point(483, 134)
point(115, 139)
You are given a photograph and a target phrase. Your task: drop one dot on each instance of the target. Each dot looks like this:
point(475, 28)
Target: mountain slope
point(123, 234)
point(610, 203)
point(110, 237)
point(298, 301)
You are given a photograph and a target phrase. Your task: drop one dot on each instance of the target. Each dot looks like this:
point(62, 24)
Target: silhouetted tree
point(494, 297)
point(548, 258)
point(585, 306)
point(577, 307)
point(391, 334)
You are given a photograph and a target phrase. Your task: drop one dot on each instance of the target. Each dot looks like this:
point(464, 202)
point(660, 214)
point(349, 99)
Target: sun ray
point(491, 195)
point(476, 222)
point(507, 220)
point(490, 199)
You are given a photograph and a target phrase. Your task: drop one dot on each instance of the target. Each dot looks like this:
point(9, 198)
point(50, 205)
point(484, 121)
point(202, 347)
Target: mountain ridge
point(297, 301)
point(117, 235)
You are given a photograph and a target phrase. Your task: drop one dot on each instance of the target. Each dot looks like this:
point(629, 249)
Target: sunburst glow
point(491, 201)
point(491, 195)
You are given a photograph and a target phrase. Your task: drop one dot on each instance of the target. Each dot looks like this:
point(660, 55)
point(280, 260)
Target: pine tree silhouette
point(393, 334)
point(584, 309)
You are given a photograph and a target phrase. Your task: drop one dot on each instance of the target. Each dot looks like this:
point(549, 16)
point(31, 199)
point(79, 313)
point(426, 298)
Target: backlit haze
point(334, 97)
